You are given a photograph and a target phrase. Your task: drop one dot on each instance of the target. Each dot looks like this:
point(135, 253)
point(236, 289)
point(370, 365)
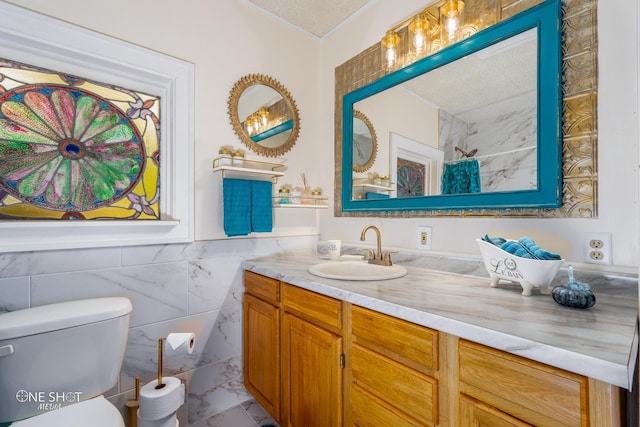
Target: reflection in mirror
point(469, 126)
point(264, 115)
point(477, 124)
point(365, 142)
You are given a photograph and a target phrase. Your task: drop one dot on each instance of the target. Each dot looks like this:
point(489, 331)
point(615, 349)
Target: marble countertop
point(600, 342)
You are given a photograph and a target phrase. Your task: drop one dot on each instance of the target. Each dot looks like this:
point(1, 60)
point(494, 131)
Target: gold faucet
point(376, 257)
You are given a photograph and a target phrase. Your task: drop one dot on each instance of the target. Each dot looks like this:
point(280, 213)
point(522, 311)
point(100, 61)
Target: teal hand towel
point(525, 247)
point(497, 241)
point(372, 195)
point(236, 195)
point(461, 177)
point(536, 250)
point(261, 206)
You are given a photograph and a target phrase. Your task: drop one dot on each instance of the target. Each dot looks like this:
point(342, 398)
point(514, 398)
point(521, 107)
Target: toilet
point(57, 360)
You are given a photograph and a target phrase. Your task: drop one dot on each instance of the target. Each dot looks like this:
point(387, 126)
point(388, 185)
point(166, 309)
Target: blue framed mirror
point(476, 125)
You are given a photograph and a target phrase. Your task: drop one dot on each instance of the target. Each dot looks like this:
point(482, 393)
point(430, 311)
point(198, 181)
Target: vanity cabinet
point(393, 363)
point(261, 337)
point(315, 361)
point(312, 359)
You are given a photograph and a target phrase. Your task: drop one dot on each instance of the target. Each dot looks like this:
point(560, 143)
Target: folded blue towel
point(498, 241)
point(247, 206)
point(515, 248)
point(525, 247)
point(236, 194)
point(372, 195)
point(537, 251)
point(261, 206)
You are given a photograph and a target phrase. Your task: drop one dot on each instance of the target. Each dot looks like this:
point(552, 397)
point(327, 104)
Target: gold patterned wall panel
point(579, 121)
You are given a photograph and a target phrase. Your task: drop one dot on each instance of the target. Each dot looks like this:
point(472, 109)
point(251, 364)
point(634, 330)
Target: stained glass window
point(72, 148)
point(410, 178)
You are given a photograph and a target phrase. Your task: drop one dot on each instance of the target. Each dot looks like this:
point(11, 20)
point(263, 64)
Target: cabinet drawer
point(262, 287)
point(532, 392)
point(408, 390)
point(317, 308)
point(369, 411)
point(414, 342)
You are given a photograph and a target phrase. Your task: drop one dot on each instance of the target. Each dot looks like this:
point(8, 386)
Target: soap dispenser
point(574, 294)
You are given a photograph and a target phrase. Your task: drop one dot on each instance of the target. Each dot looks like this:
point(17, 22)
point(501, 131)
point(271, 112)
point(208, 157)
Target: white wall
point(617, 148)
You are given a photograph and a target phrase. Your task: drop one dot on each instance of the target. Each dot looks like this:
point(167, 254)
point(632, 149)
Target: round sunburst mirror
point(365, 142)
point(264, 115)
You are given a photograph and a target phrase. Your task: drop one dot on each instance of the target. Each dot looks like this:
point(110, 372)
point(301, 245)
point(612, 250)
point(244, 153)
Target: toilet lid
point(96, 412)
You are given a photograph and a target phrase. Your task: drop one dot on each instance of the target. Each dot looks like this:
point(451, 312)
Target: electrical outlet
point(424, 237)
point(597, 248)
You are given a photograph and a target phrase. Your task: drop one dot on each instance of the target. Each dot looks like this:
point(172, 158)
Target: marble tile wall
point(174, 288)
point(506, 143)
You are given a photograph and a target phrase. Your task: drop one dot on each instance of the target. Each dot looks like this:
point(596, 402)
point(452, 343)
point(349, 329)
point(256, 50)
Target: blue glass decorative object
point(574, 294)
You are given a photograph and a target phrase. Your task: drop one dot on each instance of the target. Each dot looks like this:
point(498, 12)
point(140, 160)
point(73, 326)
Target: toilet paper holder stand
point(160, 353)
point(161, 342)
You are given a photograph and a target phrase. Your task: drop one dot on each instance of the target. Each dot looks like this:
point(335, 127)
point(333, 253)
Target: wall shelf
point(250, 169)
point(299, 206)
point(375, 187)
point(366, 183)
point(306, 201)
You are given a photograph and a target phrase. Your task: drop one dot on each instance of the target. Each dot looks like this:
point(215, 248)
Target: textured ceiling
point(317, 17)
point(503, 74)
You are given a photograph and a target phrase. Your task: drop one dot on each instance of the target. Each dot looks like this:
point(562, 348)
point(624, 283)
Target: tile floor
point(247, 414)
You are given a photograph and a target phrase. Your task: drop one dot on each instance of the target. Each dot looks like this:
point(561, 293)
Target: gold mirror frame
point(234, 99)
point(579, 118)
point(374, 142)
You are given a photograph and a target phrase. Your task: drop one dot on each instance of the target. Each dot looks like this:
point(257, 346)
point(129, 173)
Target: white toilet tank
point(55, 355)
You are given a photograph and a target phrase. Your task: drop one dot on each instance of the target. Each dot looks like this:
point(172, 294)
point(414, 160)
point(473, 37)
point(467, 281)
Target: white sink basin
point(357, 270)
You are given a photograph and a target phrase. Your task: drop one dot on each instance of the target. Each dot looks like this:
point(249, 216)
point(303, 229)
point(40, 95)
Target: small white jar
point(224, 157)
point(238, 159)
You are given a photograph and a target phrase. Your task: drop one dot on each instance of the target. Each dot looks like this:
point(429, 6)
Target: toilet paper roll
point(156, 404)
point(169, 421)
point(178, 340)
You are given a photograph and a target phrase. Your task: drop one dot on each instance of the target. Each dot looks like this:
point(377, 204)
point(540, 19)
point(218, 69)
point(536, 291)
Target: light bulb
point(419, 27)
point(389, 43)
point(452, 25)
point(450, 17)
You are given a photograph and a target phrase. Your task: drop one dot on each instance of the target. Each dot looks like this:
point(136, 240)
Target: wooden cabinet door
point(312, 375)
point(262, 353)
point(474, 413)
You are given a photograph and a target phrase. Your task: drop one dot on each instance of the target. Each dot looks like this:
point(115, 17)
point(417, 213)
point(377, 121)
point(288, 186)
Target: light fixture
point(419, 31)
point(256, 122)
point(252, 124)
point(434, 28)
point(389, 44)
point(451, 21)
point(248, 124)
point(264, 117)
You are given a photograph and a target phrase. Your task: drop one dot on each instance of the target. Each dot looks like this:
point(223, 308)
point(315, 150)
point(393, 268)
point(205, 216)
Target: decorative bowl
point(529, 273)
